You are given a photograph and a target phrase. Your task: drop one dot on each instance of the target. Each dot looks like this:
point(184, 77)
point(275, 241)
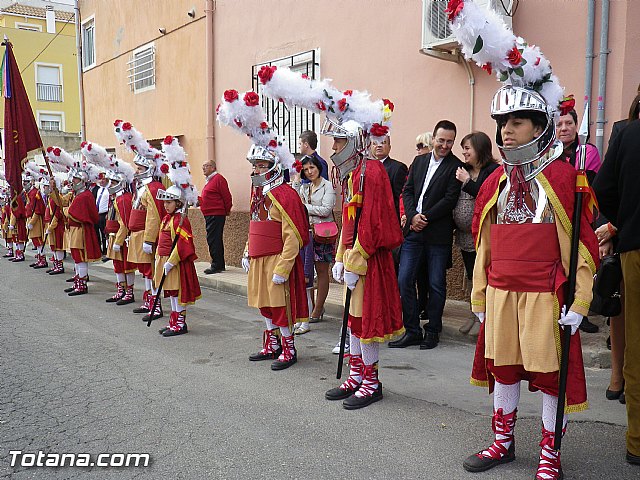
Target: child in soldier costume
point(279, 228)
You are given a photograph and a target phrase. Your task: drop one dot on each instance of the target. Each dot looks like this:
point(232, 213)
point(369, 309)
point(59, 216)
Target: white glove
point(277, 279)
point(11, 227)
point(147, 248)
point(116, 247)
point(29, 226)
point(480, 316)
point(571, 319)
point(351, 279)
point(338, 271)
point(245, 264)
point(167, 267)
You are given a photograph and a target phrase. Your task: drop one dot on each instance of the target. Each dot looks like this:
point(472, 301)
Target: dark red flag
point(20, 128)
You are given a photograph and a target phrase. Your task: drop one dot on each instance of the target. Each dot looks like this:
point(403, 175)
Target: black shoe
point(33, 264)
point(141, 310)
point(155, 317)
point(407, 340)
point(354, 403)
point(209, 271)
point(474, 463)
point(75, 293)
point(614, 394)
point(114, 299)
point(339, 394)
point(633, 459)
point(258, 357)
point(623, 399)
point(37, 267)
point(172, 333)
point(281, 365)
point(122, 301)
point(430, 341)
point(53, 272)
point(68, 290)
point(588, 327)
point(70, 280)
point(162, 330)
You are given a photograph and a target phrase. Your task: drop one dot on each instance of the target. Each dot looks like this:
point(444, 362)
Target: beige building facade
point(149, 66)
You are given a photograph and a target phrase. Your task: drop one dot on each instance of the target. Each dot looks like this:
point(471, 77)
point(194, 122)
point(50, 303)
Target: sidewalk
point(234, 281)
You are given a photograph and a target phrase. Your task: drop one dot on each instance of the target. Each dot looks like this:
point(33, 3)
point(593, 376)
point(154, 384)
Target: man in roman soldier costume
point(54, 220)
point(120, 175)
point(5, 216)
point(181, 283)
point(18, 225)
point(522, 226)
point(278, 229)
point(363, 260)
point(34, 211)
point(146, 212)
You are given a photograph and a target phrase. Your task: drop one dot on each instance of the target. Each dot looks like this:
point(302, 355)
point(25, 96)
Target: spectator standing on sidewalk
point(215, 203)
point(101, 194)
point(308, 142)
point(478, 165)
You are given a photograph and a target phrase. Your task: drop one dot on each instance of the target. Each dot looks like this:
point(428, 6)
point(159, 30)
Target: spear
point(581, 154)
point(347, 299)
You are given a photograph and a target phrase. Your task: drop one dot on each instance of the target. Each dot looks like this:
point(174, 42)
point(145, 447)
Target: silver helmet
point(80, 174)
point(347, 159)
point(28, 181)
point(174, 192)
point(149, 164)
point(117, 182)
point(511, 99)
point(258, 153)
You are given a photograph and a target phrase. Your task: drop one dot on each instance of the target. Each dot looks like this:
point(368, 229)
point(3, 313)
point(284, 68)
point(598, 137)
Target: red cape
point(559, 182)
point(153, 188)
point(378, 233)
point(35, 204)
point(124, 203)
point(189, 284)
point(83, 210)
point(288, 202)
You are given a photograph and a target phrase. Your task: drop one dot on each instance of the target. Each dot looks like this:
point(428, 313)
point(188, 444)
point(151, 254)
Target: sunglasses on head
point(419, 146)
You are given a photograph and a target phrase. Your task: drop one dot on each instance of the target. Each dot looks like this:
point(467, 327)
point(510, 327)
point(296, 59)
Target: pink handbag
point(325, 232)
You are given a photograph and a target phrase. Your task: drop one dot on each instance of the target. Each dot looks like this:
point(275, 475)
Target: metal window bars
point(141, 69)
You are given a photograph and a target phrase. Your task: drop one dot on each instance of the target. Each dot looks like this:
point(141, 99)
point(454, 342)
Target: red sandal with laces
point(498, 452)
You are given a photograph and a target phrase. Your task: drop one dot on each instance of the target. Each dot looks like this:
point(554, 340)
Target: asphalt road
point(80, 375)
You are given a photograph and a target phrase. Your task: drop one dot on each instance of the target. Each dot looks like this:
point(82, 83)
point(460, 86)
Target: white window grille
point(50, 122)
point(31, 27)
point(48, 83)
point(88, 44)
point(142, 69)
point(290, 122)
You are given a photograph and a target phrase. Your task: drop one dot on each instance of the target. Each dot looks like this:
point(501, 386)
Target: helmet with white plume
point(147, 157)
point(176, 167)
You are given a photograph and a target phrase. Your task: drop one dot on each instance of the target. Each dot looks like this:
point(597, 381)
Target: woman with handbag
point(319, 198)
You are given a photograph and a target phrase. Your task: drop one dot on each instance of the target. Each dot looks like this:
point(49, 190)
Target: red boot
point(145, 307)
point(549, 467)
point(128, 296)
point(19, 256)
point(41, 263)
point(58, 268)
point(352, 383)
point(81, 287)
point(270, 347)
point(177, 324)
point(370, 390)
point(288, 357)
point(157, 312)
point(498, 452)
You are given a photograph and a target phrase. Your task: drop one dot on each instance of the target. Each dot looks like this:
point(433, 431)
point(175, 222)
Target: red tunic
point(189, 284)
point(83, 212)
point(18, 210)
point(56, 237)
point(378, 233)
point(544, 273)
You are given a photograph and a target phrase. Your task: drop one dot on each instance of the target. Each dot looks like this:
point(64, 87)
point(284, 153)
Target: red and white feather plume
point(176, 167)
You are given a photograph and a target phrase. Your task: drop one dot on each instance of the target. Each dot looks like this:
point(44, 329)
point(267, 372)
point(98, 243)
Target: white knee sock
point(59, 254)
point(174, 303)
point(131, 278)
point(354, 348)
point(269, 323)
point(369, 352)
point(82, 269)
point(549, 409)
point(179, 308)
point(506, 397)
point(19, 246)
point(120, 277)
point(285, 332)
point(148, 284)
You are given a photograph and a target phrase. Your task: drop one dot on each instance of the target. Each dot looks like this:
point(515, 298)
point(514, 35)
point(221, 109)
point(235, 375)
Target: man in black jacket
point(430, 195)
point(397, 171)
point(616, 188)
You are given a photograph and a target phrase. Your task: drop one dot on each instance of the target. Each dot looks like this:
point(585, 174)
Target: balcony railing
point(49, 93)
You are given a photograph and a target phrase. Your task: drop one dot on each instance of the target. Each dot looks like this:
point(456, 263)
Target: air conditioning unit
point(436, 34)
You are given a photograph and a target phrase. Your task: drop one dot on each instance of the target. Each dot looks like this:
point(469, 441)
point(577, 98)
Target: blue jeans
point(437, 258)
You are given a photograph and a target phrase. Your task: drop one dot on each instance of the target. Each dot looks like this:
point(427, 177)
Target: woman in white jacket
point(319, 198)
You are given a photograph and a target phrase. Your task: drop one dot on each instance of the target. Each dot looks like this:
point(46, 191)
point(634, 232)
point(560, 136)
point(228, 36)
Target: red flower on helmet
point(297, 165)
point(567, 104)
point(230, 95)
point(487, 67)
point(49, 149)
point(514, 56)
point(378, 130)
point(83, 144)
point(305, 76)
point(342, 104)
point(251, 99)
point(264, 126)
point(273, 144)
point(266, 73)
point(164, 168)
point(348, 92)
point(238, 123)
point(168, 140)
point(134, 148)
point(117, 122)
point(57, 152)
point(126, 126)
point(454, 7)
point(89, 147)
point(185, 185)
point(388, 103)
